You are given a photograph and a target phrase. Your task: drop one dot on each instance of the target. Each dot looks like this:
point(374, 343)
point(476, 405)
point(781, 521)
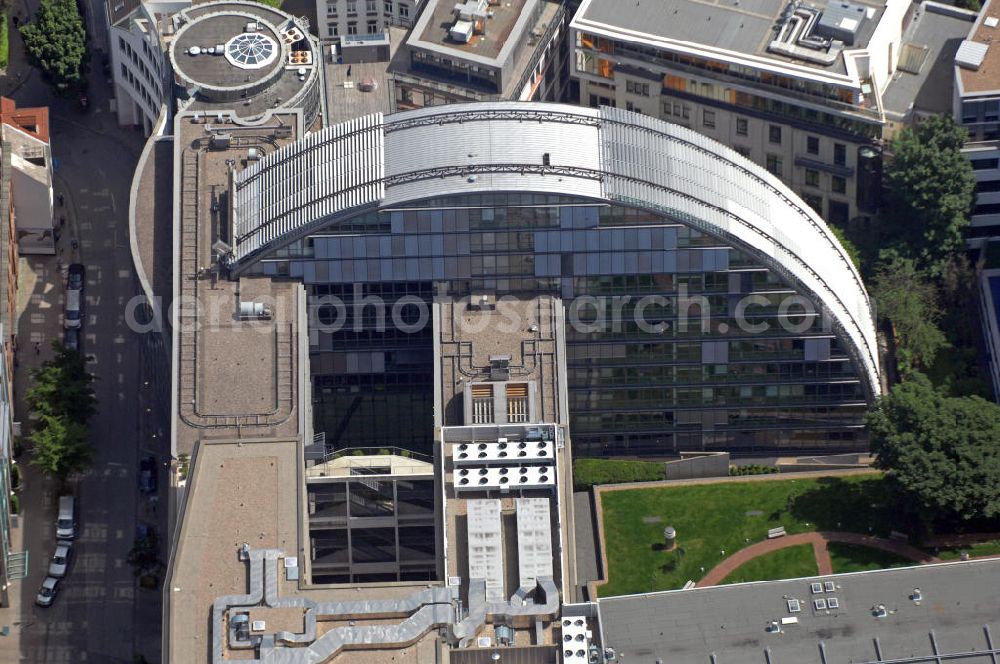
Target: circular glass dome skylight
point(251, 50)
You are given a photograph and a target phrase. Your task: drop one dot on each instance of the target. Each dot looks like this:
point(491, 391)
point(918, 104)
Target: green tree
point(929, 191)
point(62, 387)
point(909, 300)
point(56, 43)
point(941, 452)
point(60, 447)
point(852, 250)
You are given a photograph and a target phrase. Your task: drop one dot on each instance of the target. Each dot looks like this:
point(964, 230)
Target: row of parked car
point(63, 556)
point(66, 533)
point(73, 314)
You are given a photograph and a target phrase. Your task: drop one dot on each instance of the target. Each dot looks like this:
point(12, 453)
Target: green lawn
point(588, 472)
point(856, 558)
point(790, 563)
point(711, 518)
point(989, 548)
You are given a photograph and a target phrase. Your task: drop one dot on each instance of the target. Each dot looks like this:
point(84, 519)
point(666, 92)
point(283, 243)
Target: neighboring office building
point(27, 171)
point(345, 18)
point(482, 50)
point(502, 199)
point(138, 62)
point(795, 87)
point(977, 108)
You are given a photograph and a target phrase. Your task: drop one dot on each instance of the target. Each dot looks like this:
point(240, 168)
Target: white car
point(60, 561)
point(47, 593)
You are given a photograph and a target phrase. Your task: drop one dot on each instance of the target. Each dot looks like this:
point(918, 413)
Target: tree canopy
point(929, 191)
point(906, 297)
point(56, 43)
point(60, 447)
point(62, 387)
point(940, 451)
point(63, 398)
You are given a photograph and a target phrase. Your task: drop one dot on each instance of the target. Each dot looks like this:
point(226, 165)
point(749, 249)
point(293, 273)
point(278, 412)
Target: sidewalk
point(40, 300)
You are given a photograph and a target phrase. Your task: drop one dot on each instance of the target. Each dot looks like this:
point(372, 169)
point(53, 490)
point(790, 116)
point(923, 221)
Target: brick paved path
point(819, 541)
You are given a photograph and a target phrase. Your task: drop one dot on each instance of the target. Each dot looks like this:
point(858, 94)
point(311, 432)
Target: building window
point(774, 164)
point(742, 126)
point(371, 6)
point(593, 101)
point(404, 11)
point(677, 110)
point(388, 7)
point(352, 6)
point(333, 30)
point(839, 154)
point(812, 178)
point(666, 108)
point(985, 164)
point(708, 118)
point(838, 184)
point(331, 9)
point(685, 113)
point(774, 134)
point(352, 28)
point(742, 150)
point(121, 44)
point(838, 212)
point(814, 201)
point(372, 27)
point(637, 88)
point(812, 144)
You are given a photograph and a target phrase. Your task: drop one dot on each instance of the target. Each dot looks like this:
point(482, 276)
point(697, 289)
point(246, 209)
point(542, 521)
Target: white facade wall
point(139, 66)
point(31, 191)
point(337, 18)
point(882, 52)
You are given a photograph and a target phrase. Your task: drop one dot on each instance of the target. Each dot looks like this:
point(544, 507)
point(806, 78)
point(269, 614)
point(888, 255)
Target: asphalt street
point(101, 614)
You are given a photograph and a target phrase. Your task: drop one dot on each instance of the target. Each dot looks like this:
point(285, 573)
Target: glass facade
point(676, 340)
point(372, 529)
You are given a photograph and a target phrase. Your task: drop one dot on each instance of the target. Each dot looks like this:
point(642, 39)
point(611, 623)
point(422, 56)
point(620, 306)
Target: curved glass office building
point(707, 306)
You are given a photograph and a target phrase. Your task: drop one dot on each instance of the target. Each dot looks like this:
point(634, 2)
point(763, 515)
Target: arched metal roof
point(602, 154)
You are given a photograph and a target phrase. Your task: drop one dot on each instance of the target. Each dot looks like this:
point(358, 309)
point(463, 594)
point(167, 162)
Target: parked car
point(77, 274)
point(147, 475)
point(60, 560)
point(73, 316)
point(47, 593)
point(71, 339)
point(66, 523)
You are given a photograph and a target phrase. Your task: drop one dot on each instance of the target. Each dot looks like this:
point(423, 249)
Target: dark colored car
point(147, 475)
point(77, 273)
point(71, 339)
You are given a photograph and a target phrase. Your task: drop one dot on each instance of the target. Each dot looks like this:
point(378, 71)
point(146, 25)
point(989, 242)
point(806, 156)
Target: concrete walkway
point(820, 541)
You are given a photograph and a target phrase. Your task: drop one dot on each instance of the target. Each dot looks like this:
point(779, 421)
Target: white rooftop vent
point(971, 54)
point(258, 626)
point(462, 31)
point(991, 21)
